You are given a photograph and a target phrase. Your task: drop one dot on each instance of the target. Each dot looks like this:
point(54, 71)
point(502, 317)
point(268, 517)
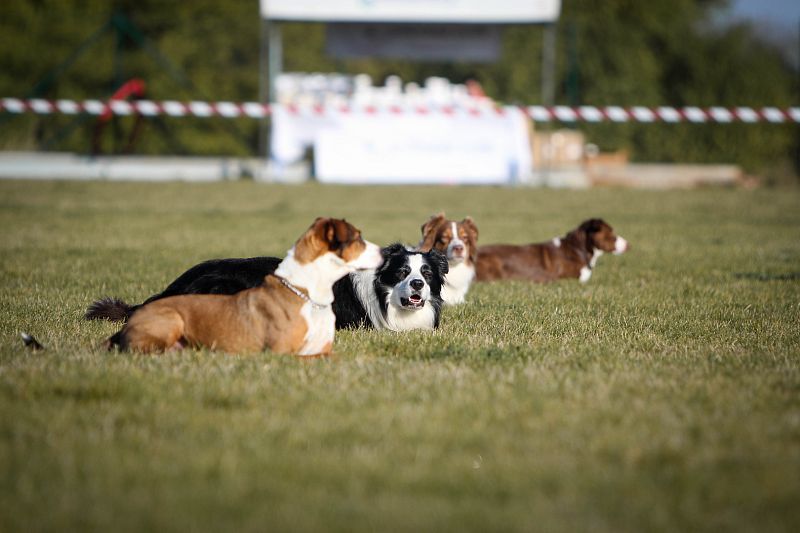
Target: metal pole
point(548, 92)
point(548, 65)
point(797, 130)
point(275, 58)
point(264, 87)
point(271, 65)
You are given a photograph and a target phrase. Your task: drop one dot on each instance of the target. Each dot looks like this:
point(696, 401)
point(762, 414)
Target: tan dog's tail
point(112, 309)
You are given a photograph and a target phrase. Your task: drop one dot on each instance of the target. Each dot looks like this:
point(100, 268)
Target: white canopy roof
point(440, 11)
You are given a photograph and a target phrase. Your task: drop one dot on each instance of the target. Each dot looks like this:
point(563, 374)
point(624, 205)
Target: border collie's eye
point(403, 273)
point(426, 272)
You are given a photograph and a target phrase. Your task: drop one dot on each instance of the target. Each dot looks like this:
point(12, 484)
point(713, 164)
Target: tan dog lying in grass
point(289, 313)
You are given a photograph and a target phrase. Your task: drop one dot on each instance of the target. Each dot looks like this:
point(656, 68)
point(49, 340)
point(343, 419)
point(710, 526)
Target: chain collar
point(301, 294)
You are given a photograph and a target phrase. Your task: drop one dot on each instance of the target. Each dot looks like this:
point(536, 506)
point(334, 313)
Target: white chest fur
point(457, 282)
point(586, 272)
point(321, 329)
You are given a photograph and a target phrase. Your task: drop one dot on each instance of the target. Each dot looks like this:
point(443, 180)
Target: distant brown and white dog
point(459, 242)
point(289, 313)
point(571, 256)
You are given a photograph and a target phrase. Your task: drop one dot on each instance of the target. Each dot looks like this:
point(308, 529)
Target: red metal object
point(134, 88)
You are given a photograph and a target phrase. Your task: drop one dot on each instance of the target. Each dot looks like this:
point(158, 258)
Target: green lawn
point(664, 395)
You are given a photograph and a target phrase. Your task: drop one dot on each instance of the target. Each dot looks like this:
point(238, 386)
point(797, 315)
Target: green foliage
point(611, 52)
point(201, 50)
point(660, 396)
point(654, 53)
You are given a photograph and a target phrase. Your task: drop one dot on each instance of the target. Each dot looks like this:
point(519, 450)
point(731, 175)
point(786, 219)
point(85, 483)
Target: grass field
point(662, 396)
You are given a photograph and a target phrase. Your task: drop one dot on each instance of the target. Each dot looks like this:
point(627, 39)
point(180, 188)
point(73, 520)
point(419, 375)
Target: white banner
point(464, 11)
point(423, 148)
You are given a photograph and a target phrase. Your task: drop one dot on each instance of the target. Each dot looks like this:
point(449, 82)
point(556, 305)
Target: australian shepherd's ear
point(592, 225)
point(584, 234)
point(428, 230)
point(471, 226)
point(472, 238)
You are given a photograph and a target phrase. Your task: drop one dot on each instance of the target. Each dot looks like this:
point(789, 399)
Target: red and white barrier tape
point(144, 107)
point(538, 113)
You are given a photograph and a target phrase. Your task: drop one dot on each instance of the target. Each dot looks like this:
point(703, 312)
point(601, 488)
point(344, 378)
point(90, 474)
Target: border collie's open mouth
point(415, 301)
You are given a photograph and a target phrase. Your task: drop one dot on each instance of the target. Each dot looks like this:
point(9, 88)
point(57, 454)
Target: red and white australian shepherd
point(571, 256)
point(458, 241)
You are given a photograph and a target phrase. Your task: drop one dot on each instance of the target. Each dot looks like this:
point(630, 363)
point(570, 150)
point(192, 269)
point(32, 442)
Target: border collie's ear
point(440, 260)
point(428, 237)
point(392, 249)
point(387, 252)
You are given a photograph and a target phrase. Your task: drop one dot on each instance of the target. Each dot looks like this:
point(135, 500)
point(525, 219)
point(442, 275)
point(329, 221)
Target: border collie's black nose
point(417, 284)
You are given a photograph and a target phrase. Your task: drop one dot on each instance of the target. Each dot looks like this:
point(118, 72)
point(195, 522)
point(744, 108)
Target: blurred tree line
point(610, 52)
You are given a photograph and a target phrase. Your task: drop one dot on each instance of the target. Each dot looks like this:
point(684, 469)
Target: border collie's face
point(410, 279)
point(457, 240)
point(601, 236)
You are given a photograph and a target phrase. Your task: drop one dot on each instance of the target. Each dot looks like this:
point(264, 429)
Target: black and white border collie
point(403, 293)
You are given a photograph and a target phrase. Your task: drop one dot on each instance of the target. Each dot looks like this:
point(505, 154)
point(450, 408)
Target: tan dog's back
point(246, 322)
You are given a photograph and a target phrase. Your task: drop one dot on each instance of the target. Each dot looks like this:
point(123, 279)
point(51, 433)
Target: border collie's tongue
point(414, 301)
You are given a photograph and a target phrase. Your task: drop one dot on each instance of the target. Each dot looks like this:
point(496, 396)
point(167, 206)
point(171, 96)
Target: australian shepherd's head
point(598, 237)
point(407, 288)
point(458, 241)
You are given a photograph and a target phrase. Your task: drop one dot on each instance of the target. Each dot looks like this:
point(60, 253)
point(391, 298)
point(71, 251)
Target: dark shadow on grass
point(223, 402)
point(83, 393)
point(764, 276)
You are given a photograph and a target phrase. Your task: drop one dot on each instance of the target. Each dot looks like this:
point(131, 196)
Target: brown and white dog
point(289, 313)
point(458, 241)
point(571, 256)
